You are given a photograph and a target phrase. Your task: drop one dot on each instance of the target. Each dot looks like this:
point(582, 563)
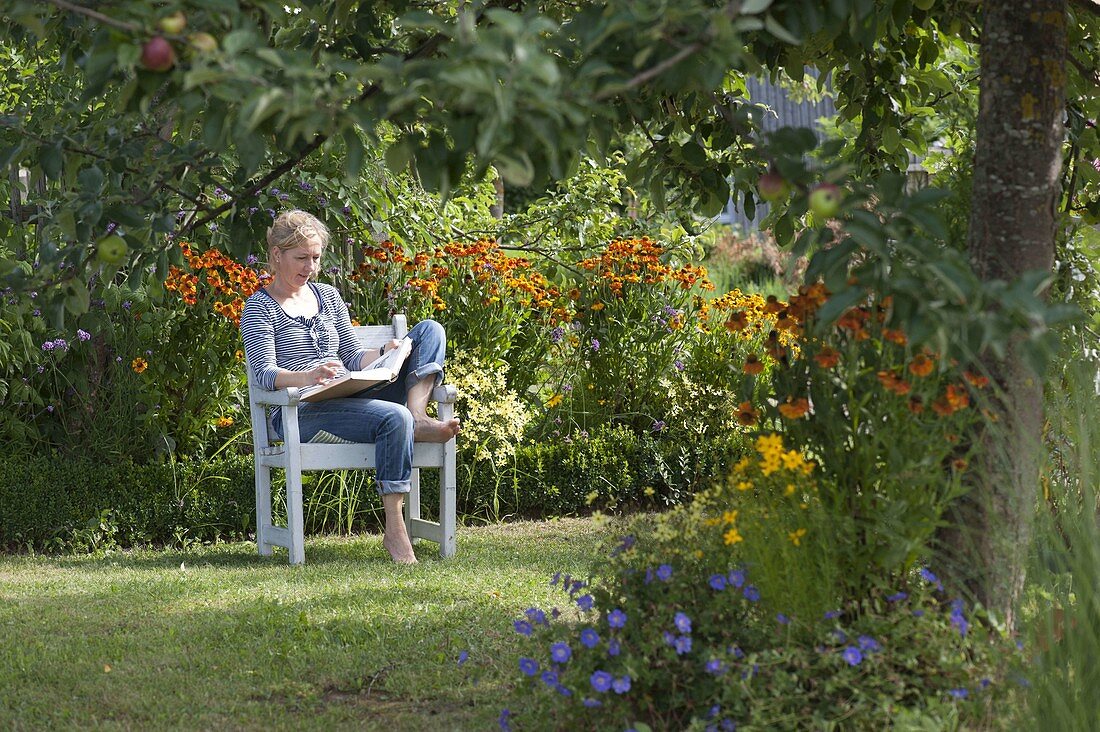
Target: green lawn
point(220, 638)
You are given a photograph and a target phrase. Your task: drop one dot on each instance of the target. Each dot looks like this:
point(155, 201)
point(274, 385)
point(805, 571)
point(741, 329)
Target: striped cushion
point(327, 438)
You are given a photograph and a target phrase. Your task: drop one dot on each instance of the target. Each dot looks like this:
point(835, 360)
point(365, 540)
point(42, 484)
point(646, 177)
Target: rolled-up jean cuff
point(386, 487)
point(427, 369)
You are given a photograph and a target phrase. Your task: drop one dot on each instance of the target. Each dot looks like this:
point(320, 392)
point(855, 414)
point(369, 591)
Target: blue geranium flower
point(717, 582)
point(751, 593)
point(589, 638)
point(682, 623)
point(737, 577)
point(897, 597)
point(584, 602)
point(462, 657)
point(621, 685)
point(502, 720)
point(716, 667)
point(523, 627)
point(560, 652)
point(613, 647)
point(536, 616)
point(528, 666)
point(682, 644)
point(852, 655)
point(782, 619)
point(550, 678)
point(664, 572)
point(868, 644)
point(591, 703)
point(601, 680)
point(616, 618)
point(961, 693)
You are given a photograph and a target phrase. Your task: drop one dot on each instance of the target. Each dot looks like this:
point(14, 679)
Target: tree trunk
point(1012, 230)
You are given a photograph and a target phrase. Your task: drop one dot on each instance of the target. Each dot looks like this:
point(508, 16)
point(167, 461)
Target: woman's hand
point(323, 372)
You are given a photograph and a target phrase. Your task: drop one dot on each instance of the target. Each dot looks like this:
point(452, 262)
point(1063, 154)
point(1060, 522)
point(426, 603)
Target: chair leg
point(295, 523)
point(263, 508)
point(412, 505)
point(448, 497)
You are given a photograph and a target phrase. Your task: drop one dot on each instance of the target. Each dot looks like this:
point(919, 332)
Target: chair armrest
point(277, 397)
point(446, 394)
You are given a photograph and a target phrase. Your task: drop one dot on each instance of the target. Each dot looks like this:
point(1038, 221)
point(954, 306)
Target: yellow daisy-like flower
point(792, 460)
point(768, 444)
point(730, 517)
point(732, 537)
point(224, 421)
point(139, 364)
point(744, 485)
point(554, 401)
point(789, 489)
point(796, 536)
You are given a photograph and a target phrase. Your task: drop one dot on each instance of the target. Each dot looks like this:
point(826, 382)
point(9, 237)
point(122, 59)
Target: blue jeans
point(379, 415)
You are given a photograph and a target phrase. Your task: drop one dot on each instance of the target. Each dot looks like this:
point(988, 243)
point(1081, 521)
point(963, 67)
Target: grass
point(220, 638)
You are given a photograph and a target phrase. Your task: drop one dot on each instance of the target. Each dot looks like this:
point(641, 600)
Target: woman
point(298, 333)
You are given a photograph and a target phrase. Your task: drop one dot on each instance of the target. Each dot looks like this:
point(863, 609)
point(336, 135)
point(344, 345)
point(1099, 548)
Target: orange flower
point(139, 364)
point(597, 306)
point(959, 464)
point(892, 383)
point(827, 357)
point(753, 365)
point(795, 408)
point(916, 404)
point(224, 421)
point(737, 321)
point(894, 336)
point(921, 365)
point(746, 415)
point(976, 380)
point(772, 305)
point(238, 354)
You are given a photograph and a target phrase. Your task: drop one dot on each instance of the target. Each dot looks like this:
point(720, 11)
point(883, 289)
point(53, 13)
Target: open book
point(382, 370)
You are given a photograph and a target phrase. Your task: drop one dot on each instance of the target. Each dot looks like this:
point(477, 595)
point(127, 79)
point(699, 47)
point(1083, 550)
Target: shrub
point(79, 503)
point(693, 644)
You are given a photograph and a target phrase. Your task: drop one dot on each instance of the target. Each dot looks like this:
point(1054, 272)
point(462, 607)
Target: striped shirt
point(274, 340)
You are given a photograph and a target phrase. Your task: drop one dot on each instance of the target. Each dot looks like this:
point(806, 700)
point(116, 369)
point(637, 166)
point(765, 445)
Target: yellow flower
point(698, 553)
point(224, 421)
point(730, 517)
point(649, 491)
point(792, 460)
point(239, 355)
point(554, 401)
point(796, 536)
point(766, 444)
point(789, 489)
point(733, 536)
point(744, 485)
point(591, 497)
point(139, 364)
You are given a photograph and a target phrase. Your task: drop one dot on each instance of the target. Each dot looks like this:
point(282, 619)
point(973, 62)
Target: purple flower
point(555, 578)
point(557, 334)
point(502, 720)
point(832, 614)
point(47, 346)
point(83, 335)
point(589, 638)
point(595, 345)
point(682, 622)
point(782, 619)
point(560, 653)
point(601, 680)
point(616, 618)
point(523, 627)
point(664, 572)
point(564, 691)
point(463, 656)
point(961, 693)
point(550, 678)
point(682, 644)
point(751, 593)
point(715, 667)
point(591, 703)
point(584, 602)
point(868, 644)
point(528, 666)
point(613, 647)
point(49, 409)
point(678, 365)
point(737, 577)
point(852, 655)
point(648, 575)
point(305, 186)
point(536, 616)
point(736, 652)
point(322, 201)
point(897, 597)
point(840, 636)
point(658, 426)
point(126, 304)
point(621, 685)
point(717, 582)
point(927, 576)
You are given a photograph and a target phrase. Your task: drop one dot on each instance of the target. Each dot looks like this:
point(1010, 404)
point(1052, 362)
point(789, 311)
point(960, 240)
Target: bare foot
point(398, 545)
point(432, 430)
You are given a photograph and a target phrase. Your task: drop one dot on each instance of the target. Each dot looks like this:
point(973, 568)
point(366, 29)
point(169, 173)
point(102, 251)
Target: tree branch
point(1091, 6)
point(95, 15)
point(650, 73)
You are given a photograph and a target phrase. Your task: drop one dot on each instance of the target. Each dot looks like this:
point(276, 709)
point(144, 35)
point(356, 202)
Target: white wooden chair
point(295, 457)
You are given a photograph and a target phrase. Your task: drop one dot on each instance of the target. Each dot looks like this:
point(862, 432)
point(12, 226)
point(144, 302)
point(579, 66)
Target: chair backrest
point(370, 336)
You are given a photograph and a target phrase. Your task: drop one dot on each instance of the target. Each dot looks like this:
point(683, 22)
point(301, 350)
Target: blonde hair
point(293, 228)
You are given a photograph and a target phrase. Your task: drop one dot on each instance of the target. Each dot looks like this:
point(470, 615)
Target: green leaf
point(90, 180)
point(49, 158)
point(776, 29)
point(752, 7)
point(250, 150)
point(353, 162)
point(839, 303)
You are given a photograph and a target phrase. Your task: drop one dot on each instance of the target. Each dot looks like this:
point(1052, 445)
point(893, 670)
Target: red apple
point(773, 187)
point(825, 200)
point(203, 42)
point(157, 54)
point(173, 24)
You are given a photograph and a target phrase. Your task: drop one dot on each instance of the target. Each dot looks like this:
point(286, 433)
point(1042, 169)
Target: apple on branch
point(825, 200)
point(773, 187)
point(157, 54)
point(173, 24)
